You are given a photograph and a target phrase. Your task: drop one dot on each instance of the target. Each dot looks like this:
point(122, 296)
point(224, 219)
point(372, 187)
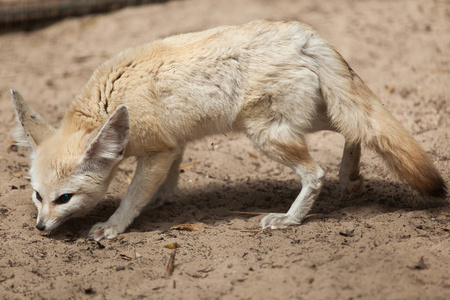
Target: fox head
point(71, 168)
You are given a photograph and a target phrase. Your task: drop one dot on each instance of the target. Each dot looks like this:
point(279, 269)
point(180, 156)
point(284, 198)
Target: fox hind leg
point(350, 180)
point(294, 153)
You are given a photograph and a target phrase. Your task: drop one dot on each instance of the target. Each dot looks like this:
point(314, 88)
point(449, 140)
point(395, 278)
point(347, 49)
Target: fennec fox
point(274, 81)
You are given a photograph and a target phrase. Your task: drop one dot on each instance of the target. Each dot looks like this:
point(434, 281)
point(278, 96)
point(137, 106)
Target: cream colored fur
point(274, 81)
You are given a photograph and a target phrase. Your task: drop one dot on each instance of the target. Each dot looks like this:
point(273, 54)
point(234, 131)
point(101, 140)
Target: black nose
point(40, 227)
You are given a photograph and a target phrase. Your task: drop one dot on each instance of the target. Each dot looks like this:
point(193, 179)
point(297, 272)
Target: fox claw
point(102, 231)
point(277, 221)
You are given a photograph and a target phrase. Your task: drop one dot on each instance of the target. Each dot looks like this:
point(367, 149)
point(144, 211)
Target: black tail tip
point(439, 189)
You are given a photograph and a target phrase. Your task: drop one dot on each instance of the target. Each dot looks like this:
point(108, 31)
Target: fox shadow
point(218, 203)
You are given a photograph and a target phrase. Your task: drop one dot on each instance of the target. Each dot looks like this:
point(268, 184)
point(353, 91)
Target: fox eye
point(38, 196)
point(63, 199)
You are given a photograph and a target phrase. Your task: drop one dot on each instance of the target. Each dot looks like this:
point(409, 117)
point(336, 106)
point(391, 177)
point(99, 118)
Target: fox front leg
point(151, 172)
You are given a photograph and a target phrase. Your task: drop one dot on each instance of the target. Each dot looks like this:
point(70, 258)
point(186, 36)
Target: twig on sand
point(6, 278)
point(171, 264)
point(252, 231)
point(248, 212)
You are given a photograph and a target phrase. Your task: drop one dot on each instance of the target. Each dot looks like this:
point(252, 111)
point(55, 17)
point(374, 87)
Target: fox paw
point(277, 221)
point(352, 188)
point(103, 231)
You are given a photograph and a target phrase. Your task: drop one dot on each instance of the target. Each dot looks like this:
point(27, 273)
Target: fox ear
point(32, 129)
point(109, 144)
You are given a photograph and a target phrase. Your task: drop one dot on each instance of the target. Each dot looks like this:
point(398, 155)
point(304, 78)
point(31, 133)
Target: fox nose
point(40, 227)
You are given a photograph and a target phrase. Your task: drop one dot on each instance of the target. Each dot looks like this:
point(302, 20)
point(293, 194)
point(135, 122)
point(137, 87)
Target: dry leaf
point(347, 233)
point(172, 246)
point(18, 174)
point(389, 88)
point(132, 255)
point(206, 270)
point(188, 227)
point(187, 166)
point(253, 155)
point(125, 257)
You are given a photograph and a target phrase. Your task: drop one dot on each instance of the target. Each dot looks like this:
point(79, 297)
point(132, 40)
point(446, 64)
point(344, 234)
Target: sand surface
point(388, 243)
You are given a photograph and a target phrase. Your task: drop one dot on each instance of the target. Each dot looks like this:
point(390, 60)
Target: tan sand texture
point(387, 243)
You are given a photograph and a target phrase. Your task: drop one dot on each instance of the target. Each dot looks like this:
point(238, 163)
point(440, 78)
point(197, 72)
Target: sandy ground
point(388, 243)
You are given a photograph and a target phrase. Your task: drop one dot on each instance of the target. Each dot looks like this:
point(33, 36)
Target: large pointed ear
point(109, 144)
point(31, 129)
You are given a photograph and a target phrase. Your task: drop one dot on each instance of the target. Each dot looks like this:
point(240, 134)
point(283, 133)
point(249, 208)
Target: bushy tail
point(359, 115)
point(405, 157)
